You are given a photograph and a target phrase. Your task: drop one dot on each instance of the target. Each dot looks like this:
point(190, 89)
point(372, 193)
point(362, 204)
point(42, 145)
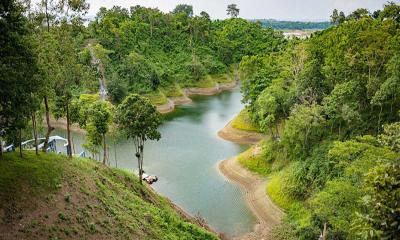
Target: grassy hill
point(52, 197)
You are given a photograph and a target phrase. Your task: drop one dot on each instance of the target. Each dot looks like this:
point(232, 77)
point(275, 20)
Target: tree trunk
point(272, 133)
point(324, 233)
point(49, 127)
point(141, 158)
point(35, 133)
point(379, 118)
point(1, 147)
point(20, 142)
point(104, 149)
point(139, 167)
point(115, 155)
point(47, 17)
point(69, 150)
point(277, 131)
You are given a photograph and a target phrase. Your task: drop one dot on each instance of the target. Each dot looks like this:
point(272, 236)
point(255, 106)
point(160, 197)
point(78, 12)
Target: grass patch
point(221, 78)
point(242, 122)
point(173, 91)
point(274, 190)
point(157, 98)
point(254, 163)
point(35, 174)
point(206, 82)
point(37, 192)
point(210, 81)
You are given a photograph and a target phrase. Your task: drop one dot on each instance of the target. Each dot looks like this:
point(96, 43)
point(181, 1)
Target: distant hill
point(292, 25)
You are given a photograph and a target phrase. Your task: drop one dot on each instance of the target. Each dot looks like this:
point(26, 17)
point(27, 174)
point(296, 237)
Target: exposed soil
point(240, 136)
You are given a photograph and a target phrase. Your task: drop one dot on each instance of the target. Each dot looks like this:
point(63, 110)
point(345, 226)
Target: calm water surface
point(185, 161)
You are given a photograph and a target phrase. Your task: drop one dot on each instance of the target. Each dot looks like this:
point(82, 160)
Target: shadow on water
point(185, 160)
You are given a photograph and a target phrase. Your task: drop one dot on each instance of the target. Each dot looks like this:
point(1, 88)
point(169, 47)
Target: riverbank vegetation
point(243, 122)
point(335, 161)
point(102, 74)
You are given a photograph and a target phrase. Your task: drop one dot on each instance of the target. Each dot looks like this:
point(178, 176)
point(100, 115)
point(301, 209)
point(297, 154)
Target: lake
point(186, 161)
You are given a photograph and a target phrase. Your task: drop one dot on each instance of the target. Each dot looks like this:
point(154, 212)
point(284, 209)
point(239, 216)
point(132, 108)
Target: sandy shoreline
point(267, 213)
point(239, 136)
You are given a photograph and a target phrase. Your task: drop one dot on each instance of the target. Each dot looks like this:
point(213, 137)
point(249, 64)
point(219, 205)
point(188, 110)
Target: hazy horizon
point(292, 10)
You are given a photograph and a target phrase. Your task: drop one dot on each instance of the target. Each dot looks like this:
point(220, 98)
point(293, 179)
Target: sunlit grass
point(242, 122)
point(254, 162)
point(157, 97)
point(172, 91)
point(274, 191)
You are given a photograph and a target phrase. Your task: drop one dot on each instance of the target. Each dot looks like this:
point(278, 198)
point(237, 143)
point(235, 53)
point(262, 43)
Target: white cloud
point(277, 9)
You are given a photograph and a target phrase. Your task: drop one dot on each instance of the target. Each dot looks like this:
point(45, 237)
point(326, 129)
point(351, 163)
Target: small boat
point(149, 179)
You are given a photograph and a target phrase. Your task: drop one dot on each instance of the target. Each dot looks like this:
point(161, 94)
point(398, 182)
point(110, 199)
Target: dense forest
point(146, 50)
point(330, 105)
point(292, 25)
point(63, 62)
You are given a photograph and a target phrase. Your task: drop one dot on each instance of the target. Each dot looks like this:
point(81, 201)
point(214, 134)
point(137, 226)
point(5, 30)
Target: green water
point(186, 158)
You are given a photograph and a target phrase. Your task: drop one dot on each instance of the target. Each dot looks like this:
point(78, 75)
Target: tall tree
point(335, 17)
point(232, 10)
point(18, 69)
point(139, 120)
point(95, 117)
point(184, 8)
point(52, 13)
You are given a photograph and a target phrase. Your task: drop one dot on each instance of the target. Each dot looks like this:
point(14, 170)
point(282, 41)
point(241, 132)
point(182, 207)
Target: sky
point(310, 10)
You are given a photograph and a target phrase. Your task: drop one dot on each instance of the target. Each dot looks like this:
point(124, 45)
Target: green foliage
point(391, 136)
point(266, 105)
point(255, 162)
point(19, 81)
point(231, 45)
point(336, 206)
point(137, 117)
point(303, 130)
point(149, 49)
point(302, 178)
point(139, 73)
point(335, 188)
point(383, 190)
point(183, 8)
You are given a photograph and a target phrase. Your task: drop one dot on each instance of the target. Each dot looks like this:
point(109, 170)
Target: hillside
point(331, 106)
point(53, 197)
